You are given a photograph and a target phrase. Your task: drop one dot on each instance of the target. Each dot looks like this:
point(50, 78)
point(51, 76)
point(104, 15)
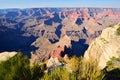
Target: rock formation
point(46, 49)
point(53, 62)
point(6, 55)
point(106, 46)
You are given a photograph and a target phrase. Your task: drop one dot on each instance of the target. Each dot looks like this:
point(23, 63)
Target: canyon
point(44, 32)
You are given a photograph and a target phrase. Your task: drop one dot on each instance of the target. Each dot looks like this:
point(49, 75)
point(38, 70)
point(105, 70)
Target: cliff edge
point(106, 46)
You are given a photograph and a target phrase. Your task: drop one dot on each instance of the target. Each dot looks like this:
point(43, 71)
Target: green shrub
point(113, 69)
point(36, 72)
point(118, 31)
point(59, 74)
point(18, 68)
point(43, 66)
point(89, 70)
point(111, 25)
point(86, 69)
point(75, 63)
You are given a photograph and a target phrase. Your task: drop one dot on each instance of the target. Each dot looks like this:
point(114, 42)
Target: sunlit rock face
point(6, 55)
point(106, 46)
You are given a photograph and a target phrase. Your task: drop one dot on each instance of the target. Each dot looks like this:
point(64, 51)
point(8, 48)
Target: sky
point(58, 3)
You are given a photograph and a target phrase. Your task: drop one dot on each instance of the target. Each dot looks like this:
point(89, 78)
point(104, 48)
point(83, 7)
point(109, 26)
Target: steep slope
point(105, 46)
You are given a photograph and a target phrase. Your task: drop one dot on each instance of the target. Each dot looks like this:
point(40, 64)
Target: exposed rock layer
point(106, 46)
point(46, 49)
point(6, 55)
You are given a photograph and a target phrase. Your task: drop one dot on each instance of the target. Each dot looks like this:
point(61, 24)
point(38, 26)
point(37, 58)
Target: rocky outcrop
point(105, 46)
point(53, 62)
point(6, 55)
point(47, 49)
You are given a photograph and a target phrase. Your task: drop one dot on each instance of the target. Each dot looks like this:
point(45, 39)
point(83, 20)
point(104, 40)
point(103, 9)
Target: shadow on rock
point(77, 48)
point(11, 40)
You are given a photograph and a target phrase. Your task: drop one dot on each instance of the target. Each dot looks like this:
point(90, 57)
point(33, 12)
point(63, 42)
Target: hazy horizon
point(5, 4)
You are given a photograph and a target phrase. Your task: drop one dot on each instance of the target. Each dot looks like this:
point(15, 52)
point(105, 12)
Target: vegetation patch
point(103, 40)
point(111, 25)
point(76, 69)
point(18, 68)
point(118, 31)
point(113, 69)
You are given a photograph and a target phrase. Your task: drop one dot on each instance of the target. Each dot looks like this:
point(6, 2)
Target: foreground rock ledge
point(6, 55)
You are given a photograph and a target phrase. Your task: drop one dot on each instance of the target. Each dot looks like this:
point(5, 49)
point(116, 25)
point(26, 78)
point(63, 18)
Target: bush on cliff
point(118, 31)
point(113, 69)
point(86, 69)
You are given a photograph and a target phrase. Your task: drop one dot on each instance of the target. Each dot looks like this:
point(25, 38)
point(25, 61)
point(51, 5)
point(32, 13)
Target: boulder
point(6, 55)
